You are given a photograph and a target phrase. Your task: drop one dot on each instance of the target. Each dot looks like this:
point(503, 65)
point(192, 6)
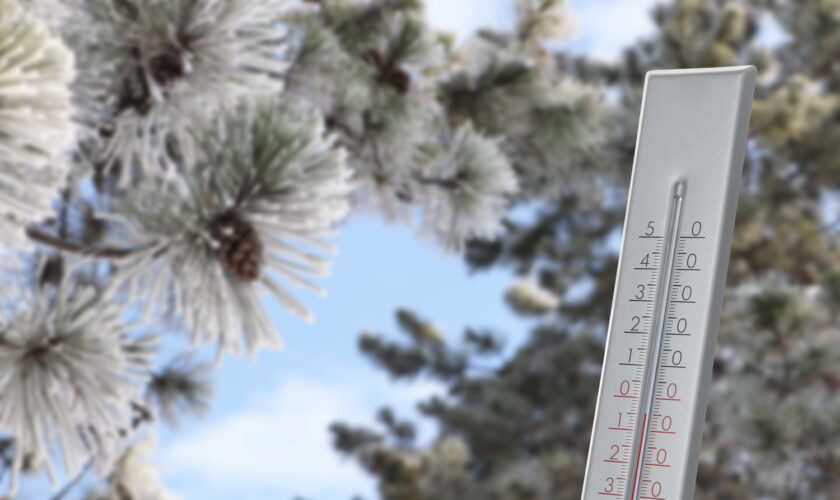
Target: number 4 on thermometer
point(669, 287)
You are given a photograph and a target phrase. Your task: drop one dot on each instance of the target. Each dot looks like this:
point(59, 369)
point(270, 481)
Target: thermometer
point(669, 288)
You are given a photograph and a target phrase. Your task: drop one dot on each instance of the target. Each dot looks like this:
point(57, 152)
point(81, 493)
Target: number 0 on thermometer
point(666, 308)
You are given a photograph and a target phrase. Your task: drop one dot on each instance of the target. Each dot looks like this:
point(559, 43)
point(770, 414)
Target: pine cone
point(390, 73)
point(165, 68)
point(397, 78)
point(239, 247)
point(134, 93)
point(53, 270)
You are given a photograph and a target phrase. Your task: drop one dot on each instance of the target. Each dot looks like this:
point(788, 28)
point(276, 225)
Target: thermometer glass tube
point(666, 308)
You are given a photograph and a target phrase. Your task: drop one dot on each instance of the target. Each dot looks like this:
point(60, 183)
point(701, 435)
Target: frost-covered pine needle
point(35, 128)
point(69, 373)
point(528, 299)
point(154, 70)
point(182, 386)
point(267, 187)
point(473, 183)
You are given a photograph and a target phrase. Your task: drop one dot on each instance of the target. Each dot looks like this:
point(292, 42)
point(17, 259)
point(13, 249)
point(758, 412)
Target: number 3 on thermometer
point(669, 287)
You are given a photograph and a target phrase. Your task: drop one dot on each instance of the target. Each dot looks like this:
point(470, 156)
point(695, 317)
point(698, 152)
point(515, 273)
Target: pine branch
point(59, 243)
point(443, 183)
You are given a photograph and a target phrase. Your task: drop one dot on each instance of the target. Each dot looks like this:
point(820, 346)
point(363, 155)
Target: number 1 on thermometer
point(666, 308)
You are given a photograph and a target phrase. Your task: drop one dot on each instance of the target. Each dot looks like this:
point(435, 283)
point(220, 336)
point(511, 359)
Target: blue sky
point(266, 436)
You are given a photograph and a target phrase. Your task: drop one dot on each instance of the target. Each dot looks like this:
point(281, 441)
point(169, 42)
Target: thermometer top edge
point(693, 121)
point(748, 69)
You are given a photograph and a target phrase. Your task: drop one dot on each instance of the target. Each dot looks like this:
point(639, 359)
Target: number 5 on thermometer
point(668, 293)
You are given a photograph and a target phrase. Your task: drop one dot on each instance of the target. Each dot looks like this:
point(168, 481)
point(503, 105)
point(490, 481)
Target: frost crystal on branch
point(69, 373)
point(267, 186)
point(136, 476)
point(371, 76)
point(153, 69)
point(548, 124)
point(474, 182)
point(527, 299)
point(544, 19)
point(35, 128)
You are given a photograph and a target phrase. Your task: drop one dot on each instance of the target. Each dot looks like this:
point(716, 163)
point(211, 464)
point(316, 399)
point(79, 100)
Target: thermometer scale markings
point(654, 361)
point(651, 406)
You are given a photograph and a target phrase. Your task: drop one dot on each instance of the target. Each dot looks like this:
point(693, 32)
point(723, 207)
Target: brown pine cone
point(390, 73)
point(166, 67)
point(239, 247)
point(135, 93)
point(397, 78)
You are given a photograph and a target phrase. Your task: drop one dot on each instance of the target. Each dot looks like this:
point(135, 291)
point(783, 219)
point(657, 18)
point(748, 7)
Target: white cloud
point(282, 443)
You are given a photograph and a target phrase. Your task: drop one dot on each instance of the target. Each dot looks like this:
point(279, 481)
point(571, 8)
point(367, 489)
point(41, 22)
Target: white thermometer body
point(669, 287)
